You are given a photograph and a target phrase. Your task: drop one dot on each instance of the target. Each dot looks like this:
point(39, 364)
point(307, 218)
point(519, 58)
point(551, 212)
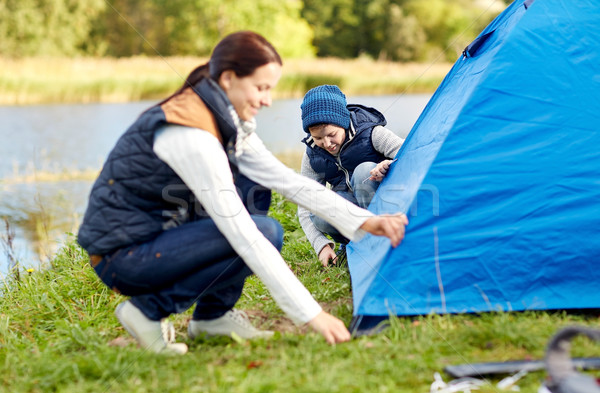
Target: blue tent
point(499, 177)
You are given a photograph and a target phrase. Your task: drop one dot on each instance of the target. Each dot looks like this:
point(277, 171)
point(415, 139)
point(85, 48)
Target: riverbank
point(84, 80)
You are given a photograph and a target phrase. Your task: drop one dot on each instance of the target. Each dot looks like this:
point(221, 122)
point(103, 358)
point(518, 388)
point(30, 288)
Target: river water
point(40, 141)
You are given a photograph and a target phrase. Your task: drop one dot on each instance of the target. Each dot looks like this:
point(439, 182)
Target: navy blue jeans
point(192, 263)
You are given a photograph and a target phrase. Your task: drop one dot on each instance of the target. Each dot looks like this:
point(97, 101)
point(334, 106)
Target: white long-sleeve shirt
point(201, 162)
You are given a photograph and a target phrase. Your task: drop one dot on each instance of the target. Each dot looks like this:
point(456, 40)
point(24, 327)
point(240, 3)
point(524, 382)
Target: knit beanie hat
point(325, 104)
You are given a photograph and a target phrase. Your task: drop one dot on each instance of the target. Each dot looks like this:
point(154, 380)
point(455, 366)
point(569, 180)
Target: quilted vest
point(137, 196)
point(356, 149)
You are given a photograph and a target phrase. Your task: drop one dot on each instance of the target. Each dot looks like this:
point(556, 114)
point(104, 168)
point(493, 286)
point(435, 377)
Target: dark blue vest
point(356, 149)
point(137, 196)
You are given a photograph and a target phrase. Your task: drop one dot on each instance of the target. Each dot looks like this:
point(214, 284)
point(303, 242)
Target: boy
point(348, 147)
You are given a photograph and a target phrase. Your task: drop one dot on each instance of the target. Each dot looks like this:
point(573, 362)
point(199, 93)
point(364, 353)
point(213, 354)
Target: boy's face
point(328, 137)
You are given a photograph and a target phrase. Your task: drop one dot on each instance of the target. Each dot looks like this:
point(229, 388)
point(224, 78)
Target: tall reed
point(82, 80)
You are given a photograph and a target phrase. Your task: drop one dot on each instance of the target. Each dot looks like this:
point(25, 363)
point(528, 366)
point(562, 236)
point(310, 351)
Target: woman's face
point(249, 93)
point(328, 137)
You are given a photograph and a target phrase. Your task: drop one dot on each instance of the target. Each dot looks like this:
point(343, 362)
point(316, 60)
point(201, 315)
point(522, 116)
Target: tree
point(405, 38)
point(336, 27)
point(448, 25)
point(279, 22)
point(47, 27)
point(193, 27)
point(403, 30)
point(133, 27)
point(387, 32)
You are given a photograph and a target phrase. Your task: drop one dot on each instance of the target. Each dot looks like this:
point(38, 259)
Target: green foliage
point(182, 27)
point(47, 27)
point(291, 35)
point(399, 30)
point(335, 24)
point(406, 37)
point(449, 26)
point(279, 22)
point(150, 27)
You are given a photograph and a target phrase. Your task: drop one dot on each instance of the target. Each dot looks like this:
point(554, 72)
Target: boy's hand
point(327, 254)
point(379, 172)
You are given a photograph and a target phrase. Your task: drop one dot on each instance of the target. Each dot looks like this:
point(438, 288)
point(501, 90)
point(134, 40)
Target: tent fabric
point(499, 177)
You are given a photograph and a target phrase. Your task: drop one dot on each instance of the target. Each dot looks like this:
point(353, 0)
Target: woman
point(177, 216)
point(348, 147)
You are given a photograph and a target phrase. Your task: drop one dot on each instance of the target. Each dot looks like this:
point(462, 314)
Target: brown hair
point(242, 52)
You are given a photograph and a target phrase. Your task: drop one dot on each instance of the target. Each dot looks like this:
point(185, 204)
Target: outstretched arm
point(200, 161)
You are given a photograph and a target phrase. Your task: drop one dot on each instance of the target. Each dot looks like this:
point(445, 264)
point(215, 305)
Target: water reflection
point(40, 215)
point(48, 150)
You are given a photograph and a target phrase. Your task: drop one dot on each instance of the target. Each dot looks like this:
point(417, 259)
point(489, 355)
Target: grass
point(58, 333)
point(83, 80)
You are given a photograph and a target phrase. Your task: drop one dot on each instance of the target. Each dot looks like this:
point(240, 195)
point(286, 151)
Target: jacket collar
point(208, 109)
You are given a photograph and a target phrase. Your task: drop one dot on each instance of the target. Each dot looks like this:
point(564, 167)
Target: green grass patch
point(58, 333)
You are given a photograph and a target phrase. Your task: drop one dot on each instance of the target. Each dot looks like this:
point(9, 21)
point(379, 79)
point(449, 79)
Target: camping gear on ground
point(499, 178)
point(467, 384)
point(458, 385)
point(563, 377)
point(513, 366)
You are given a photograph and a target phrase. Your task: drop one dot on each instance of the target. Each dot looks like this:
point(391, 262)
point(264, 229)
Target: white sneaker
point(234, 321)
point(157, 336)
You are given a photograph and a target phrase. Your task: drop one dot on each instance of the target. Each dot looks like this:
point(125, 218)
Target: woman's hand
point(390, 226)
point(326, 254)
point(332, 329)
point(379, 172)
